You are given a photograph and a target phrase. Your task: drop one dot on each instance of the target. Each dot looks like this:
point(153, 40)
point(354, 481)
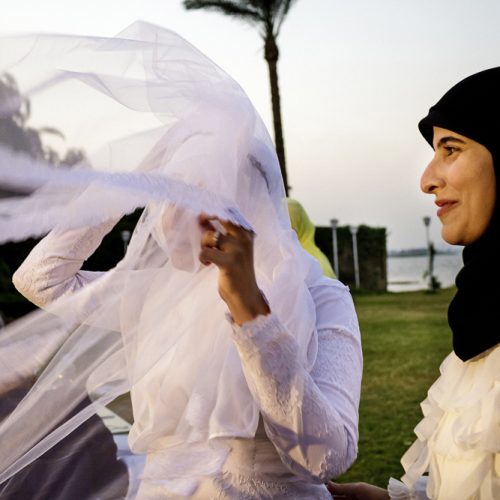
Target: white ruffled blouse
point(458, 445)
point(300, 443)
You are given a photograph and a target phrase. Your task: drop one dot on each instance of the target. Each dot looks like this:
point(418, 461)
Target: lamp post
point(354, 232)
point(125, 235)
point(335, 225)
point(427, 222)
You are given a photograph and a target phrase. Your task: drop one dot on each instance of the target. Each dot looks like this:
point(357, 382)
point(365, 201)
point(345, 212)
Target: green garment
point(305, 230)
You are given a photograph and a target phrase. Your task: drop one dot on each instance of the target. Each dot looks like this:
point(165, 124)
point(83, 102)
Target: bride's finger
point(205, 221)
point(212, 239)
point(210, 255)
point(212, 223)
point(226, 227)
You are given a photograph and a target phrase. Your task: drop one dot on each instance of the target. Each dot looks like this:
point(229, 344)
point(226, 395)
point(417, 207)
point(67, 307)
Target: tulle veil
point(165, 129)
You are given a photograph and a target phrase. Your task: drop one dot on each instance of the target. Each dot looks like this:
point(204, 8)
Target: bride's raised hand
point(230, 248)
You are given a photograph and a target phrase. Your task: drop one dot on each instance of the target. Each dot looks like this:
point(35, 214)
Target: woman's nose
point(431, 179)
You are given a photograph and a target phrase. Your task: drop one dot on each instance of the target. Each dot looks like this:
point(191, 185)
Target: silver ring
point(216, 238)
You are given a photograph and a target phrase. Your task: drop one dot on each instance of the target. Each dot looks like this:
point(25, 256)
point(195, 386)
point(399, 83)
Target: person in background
point(305, 230)
point(457, 453)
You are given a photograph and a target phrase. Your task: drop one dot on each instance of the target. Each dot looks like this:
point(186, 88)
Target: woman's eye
point(450, 150)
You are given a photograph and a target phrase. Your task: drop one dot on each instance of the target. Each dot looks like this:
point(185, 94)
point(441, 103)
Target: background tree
point(16, 134)
point(268, 16)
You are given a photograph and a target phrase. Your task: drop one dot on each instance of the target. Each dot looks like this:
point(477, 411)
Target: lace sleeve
point(52, 269)
point(312, 418)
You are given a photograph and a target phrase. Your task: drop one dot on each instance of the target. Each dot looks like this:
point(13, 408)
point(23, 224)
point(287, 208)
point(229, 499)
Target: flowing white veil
point(166, 129)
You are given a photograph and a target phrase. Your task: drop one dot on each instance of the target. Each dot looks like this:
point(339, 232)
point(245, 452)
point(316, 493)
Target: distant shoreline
point(410, 272)
point(420, 252)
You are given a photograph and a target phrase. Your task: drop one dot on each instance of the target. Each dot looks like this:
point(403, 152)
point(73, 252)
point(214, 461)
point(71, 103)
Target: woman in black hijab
point(457, 453)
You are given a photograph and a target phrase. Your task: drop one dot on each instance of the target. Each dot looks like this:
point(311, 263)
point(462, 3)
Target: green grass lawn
point(405, 337)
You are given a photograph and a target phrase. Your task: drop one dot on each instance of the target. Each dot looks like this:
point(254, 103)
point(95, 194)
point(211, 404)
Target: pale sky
point(355, 78)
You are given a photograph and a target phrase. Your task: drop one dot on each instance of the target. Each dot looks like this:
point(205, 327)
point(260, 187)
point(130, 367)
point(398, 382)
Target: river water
point(405, 274)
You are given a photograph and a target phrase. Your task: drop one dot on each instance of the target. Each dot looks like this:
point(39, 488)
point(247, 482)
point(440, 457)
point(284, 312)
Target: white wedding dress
point(308, 426)
point(268, 410)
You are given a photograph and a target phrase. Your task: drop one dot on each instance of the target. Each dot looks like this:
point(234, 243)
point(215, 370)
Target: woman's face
point(462, 177)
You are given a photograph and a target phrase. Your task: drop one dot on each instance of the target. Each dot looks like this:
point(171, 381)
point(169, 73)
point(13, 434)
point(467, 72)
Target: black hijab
point(472, 109)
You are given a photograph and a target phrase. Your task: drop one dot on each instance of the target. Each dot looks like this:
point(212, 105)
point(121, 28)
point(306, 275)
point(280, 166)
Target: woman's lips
point(445, 206)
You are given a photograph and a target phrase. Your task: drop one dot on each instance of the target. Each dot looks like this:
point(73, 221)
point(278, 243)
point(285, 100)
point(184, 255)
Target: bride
point(243, 361)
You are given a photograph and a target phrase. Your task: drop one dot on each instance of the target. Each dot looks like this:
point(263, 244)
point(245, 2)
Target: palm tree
point(268, 16)
point(15, 111)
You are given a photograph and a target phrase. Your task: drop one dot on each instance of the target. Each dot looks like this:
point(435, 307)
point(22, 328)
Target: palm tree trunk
point(271, 54)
